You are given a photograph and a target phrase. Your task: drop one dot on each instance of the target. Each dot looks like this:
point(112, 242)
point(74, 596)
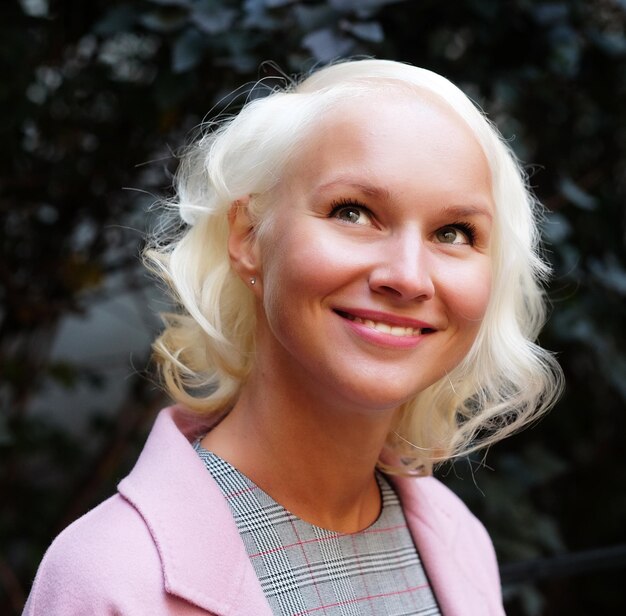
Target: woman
point(358, 283)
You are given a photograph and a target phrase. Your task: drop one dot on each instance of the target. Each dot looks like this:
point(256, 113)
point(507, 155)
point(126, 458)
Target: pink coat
point(167, 544)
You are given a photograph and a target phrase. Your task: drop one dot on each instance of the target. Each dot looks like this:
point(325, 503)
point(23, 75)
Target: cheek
point(303, 260)
point(295, 268)
point(467, 290)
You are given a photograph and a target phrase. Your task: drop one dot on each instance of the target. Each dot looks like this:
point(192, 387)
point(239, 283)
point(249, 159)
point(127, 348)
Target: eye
point(458, 233)
point(352, 212)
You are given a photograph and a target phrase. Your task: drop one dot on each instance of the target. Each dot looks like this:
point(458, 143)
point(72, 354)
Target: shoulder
point(105, 558)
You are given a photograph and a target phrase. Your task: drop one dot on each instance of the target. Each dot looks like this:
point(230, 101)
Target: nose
point(403, 269)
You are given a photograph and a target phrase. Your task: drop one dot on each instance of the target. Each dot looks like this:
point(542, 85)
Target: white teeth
point(394, 330)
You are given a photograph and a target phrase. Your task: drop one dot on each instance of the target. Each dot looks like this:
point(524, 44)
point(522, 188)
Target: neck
point(315, 459)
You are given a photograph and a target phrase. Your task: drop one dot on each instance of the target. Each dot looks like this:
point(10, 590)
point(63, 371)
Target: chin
point(375, 399)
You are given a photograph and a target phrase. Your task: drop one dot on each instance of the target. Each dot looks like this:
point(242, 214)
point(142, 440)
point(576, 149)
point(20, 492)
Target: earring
point(253, 281)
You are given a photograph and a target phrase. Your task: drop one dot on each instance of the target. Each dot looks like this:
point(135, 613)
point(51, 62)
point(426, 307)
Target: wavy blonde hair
point(207, 348)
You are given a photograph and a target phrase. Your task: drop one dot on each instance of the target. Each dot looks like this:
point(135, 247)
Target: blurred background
point(95, 100)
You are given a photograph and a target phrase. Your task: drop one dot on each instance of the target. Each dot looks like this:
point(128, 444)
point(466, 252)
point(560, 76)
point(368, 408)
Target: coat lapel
point(202, 556)
point(453, 546)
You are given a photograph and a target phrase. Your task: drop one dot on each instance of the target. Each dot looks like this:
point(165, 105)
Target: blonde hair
point(207, 350)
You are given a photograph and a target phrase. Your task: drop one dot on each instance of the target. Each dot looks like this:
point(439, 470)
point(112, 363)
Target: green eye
point(350, 214)
point(461, 233)
point(448, 235)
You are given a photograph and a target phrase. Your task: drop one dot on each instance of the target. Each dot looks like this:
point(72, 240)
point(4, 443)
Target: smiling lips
point(387, 326)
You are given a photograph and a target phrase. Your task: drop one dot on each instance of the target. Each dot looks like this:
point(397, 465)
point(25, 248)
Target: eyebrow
point(463, 211)
point(367, 189)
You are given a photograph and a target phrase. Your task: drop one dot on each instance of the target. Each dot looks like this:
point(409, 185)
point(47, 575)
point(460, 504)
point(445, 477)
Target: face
point(374, 275)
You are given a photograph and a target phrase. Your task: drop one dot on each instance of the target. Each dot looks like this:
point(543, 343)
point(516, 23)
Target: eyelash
point(467, 228)
point(339, 204)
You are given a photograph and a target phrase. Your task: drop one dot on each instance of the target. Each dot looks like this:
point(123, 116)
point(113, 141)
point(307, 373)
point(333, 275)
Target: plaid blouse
point(304, 569)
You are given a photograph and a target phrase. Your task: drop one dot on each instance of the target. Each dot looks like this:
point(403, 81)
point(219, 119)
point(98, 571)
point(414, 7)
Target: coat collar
point(205, 562)
point(203, 558)
point(454, 547)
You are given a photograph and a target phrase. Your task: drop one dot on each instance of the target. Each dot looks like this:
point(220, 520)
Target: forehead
point(391, 139)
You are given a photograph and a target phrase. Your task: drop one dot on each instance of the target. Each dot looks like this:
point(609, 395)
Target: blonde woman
point(358, 283)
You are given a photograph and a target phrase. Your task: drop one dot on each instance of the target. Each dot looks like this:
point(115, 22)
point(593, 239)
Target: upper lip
point(384, 317)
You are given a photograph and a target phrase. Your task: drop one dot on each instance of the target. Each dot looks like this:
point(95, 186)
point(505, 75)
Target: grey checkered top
point(304, 569)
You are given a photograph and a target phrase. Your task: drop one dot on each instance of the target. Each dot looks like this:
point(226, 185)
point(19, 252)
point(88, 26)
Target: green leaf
point(276, 3)
point(576, 195)
point(550, 12)
point(363, 8)
point(212, 19)
point(162, 22)
point(556, 228)
point(119, 19)
point(371, 32)
point(610, 273)
point(326, 44)
point(188, 50)
point(311, 18)
point(172, 2)
point(612, 43)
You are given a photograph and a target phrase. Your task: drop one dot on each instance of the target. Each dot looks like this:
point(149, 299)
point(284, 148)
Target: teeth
point(394, 330)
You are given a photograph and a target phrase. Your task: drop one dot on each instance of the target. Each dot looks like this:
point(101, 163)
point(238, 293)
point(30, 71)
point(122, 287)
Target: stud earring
point(253, 281)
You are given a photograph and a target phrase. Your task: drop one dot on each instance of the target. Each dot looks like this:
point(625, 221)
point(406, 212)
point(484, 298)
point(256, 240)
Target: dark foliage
point(93, 90)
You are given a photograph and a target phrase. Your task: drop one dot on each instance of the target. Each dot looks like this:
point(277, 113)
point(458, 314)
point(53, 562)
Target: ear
point(242, 246)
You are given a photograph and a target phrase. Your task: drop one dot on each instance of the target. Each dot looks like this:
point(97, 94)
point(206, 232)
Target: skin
point(369, 220)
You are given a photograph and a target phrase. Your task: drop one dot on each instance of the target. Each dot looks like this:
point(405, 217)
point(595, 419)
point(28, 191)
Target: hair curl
point(207, 349)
